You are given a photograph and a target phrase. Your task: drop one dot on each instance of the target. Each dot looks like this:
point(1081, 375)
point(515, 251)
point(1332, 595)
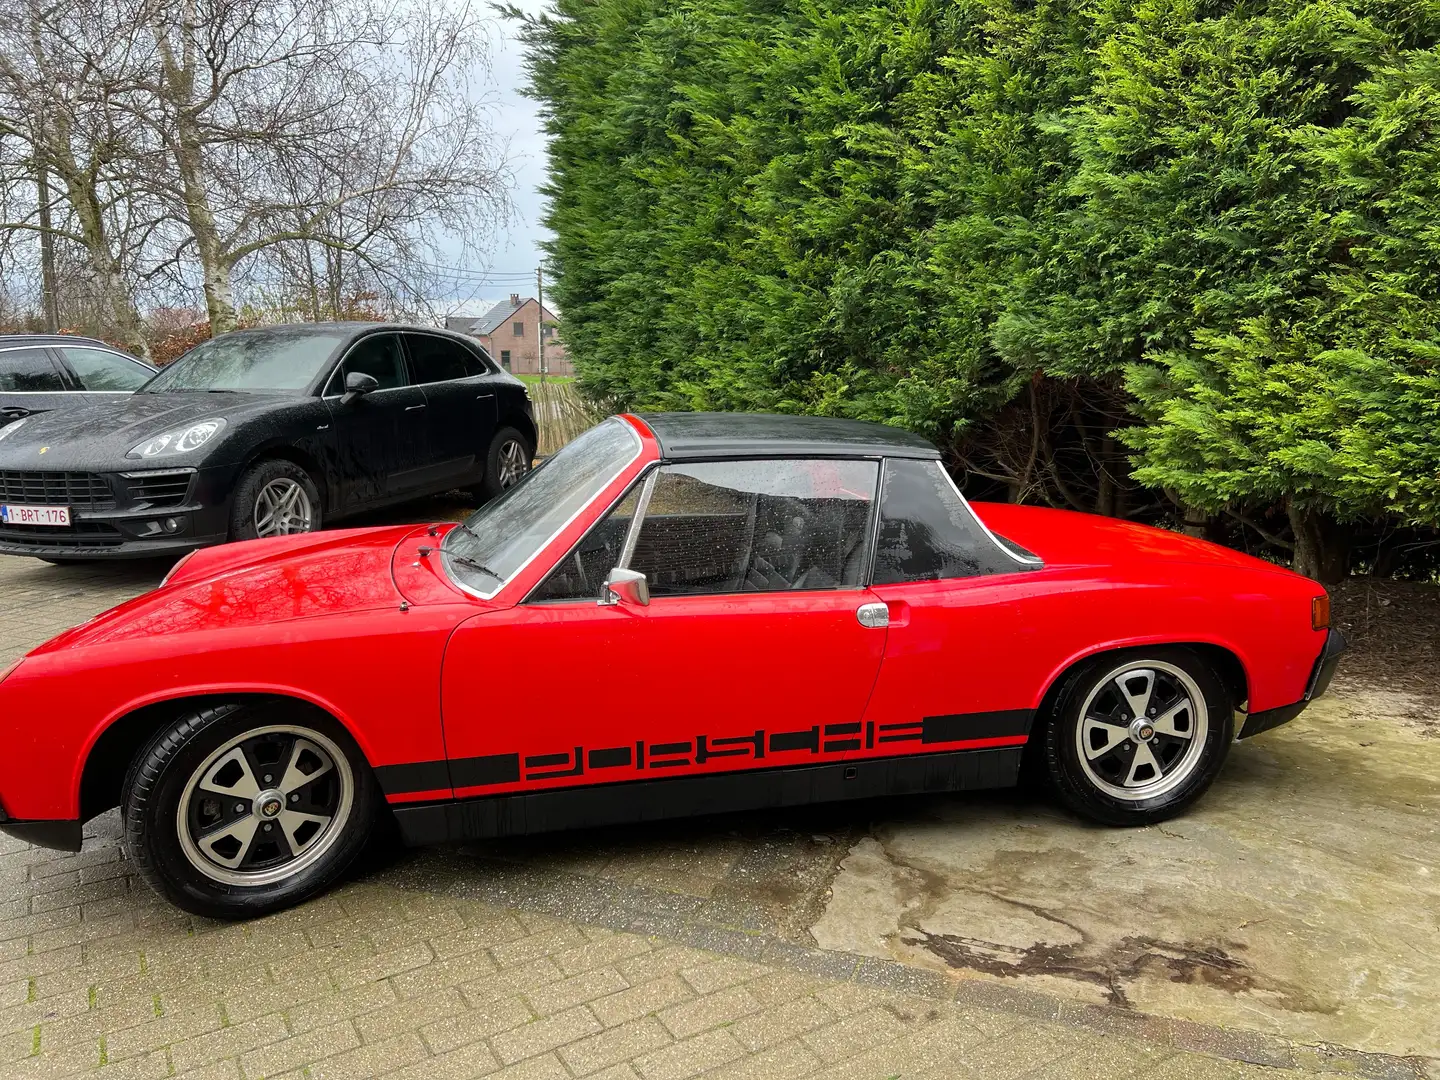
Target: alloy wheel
point(283, 507)
point(265, 805)
point(514, 463)
point(1142, 729)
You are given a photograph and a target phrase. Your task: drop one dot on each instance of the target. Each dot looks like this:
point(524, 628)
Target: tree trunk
point(1322, 546)
point(85, 201)
point(187, 148)
point(47, 254)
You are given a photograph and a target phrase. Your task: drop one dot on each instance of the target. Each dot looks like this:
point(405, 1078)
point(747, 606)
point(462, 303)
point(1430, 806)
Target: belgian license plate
point(35, 515)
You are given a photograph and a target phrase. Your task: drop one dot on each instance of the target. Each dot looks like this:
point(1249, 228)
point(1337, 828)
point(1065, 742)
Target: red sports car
point(676, 614)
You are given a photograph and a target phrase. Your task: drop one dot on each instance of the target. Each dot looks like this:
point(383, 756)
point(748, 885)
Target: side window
point(756, 526)
point(98, 370)
point(29, 371)
point(377, 356)
point(519, 329)
point(580, 574)
point(434, 359)
point(927, 533)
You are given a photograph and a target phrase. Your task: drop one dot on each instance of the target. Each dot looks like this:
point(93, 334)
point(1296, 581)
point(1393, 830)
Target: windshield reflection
point(279, 358)
point(500, 538)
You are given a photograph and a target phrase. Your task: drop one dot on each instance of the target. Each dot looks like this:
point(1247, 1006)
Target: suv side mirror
point(357, 385)
point(626, 587)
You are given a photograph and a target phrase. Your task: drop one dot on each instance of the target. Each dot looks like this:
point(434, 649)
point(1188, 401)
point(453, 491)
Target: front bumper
point(61, 835)
point(128, 514)
point(1320, 676)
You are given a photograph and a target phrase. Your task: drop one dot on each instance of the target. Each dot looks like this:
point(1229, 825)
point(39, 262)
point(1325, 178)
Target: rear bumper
point(1320, 676)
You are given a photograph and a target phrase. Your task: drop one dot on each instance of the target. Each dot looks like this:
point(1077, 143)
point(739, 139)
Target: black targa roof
point(708, 435)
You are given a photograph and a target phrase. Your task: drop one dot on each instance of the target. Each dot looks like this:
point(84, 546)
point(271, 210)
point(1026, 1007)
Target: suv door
point(462, 405)
point(380, 443)
point(30, 381)
point(749, 655)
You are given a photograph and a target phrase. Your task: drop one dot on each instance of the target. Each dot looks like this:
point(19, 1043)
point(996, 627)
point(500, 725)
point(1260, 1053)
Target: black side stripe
point(496, 769)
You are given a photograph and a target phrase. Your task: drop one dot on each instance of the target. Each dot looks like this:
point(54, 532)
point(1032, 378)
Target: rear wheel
point(274, 498)
point(506, 462)
point(238, 810)
point(1137, 737)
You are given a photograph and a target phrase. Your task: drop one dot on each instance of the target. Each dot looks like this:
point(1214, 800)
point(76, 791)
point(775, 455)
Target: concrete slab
point(1301, 898)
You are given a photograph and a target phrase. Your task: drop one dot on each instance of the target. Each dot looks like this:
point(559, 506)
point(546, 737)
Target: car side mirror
point(625, 587)
point(357, 385)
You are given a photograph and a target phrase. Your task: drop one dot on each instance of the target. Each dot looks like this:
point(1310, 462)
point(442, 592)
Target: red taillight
point(1320, 613)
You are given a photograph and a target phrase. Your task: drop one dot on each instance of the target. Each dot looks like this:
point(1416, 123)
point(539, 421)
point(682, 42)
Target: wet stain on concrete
point(1127, 959)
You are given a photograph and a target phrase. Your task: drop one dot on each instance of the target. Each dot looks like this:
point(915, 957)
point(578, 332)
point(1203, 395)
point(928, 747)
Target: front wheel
point(239, 810)
point(274, 498)
point(1137, 737)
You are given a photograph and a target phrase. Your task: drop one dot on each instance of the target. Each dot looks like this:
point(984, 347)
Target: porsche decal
point(977, 730)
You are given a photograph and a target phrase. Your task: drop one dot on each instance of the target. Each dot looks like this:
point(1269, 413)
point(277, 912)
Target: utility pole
point(540, 319)
point(47, 252)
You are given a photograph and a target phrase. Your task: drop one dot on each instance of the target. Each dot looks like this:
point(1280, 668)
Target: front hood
point(1064, 537)
point(96, 436)
point(255, 583)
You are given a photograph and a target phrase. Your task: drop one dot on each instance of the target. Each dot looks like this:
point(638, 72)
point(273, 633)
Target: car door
point(461, 406)
point(379, 441)
point(751, 653)
point(960, 667)
point(31, 380)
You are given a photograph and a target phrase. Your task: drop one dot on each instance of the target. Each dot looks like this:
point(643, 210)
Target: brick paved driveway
point(668, 952)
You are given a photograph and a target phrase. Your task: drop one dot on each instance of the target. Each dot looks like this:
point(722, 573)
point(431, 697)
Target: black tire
point(496, 480)
point(257, 479)
point(179, 757)
point(1152, 792)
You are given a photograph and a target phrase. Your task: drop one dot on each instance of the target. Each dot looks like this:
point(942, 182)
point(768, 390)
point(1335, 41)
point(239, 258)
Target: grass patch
point(548, 378)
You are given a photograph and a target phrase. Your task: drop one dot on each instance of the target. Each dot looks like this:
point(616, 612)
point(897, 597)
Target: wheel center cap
point(268, 804)
point(1141, 730)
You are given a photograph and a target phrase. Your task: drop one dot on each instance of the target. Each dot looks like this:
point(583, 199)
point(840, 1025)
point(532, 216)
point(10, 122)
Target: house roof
point(705, 435)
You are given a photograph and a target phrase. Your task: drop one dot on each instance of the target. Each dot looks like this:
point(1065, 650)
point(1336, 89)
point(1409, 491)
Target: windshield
point(507, 532)
point(281, 358)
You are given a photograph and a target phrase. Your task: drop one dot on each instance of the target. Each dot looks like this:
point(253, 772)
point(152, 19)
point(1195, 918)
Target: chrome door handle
point(413, 408)
point(873, 616)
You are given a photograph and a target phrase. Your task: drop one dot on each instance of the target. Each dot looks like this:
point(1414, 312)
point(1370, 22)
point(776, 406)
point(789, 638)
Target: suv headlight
point(12, 427)
point(179, 441)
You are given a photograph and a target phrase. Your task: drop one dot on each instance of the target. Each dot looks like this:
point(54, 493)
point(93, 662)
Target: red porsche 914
point(676, 614)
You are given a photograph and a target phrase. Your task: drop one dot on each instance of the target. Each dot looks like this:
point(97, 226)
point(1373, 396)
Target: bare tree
point(342, 126)
point(65, 71)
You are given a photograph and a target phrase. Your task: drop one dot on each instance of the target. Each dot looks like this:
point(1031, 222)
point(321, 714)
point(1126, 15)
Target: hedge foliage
point(916, 211)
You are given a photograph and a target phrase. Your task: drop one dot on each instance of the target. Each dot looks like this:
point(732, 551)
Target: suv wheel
point(506, 463)
point(274, 498)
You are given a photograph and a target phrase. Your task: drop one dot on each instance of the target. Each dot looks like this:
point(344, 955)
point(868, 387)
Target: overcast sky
point(517, 247)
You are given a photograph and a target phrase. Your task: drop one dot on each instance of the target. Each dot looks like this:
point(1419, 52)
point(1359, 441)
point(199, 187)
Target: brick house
point(511, 332)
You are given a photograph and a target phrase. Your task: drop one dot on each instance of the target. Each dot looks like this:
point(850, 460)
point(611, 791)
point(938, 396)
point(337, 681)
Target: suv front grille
point(158, 490)
point(82, 491)
point(83, 534)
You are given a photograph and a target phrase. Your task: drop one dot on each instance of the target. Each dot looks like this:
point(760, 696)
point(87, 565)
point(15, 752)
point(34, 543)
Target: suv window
point(100, 370)
point(434, 359)
point(377, 356)
point(756, 526)
point(30, 371)
point(927, 533)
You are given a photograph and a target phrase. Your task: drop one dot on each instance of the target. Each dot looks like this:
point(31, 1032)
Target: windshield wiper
point(465, 560)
